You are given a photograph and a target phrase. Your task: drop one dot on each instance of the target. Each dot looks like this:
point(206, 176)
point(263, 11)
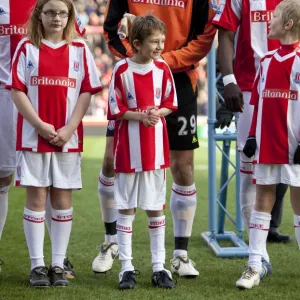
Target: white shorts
point(8, 115)
point(146, 189)
point(273, 174)
point(244, 122)
point(60, 170)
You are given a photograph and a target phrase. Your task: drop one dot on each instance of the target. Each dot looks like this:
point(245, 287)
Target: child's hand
point(153, 116)
point(63, 136)
point(47, 131)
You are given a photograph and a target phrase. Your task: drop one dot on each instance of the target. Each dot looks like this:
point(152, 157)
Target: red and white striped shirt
point(276, 96)
point(13, 16)
point(137, 87)
point(52, 77)
point(250, 18)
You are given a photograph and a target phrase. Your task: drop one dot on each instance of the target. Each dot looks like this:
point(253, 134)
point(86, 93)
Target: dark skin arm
point(232, 94)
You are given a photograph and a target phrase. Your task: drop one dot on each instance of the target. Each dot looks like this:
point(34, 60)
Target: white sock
point(124, 234)
point(258, 233)
point(106, 198)
point(183, 208)
point(111, 238)
point(3, 206)
point(34, 229)
point(60, 234)
point(297, 228)
point(157, 242)
point(48, 214)
point(179, 252)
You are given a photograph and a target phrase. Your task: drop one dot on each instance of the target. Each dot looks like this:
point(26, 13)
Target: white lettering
point(53, 81)
point(177, 3)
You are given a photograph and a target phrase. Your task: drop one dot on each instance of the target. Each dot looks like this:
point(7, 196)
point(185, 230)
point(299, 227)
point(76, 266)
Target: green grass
point(217, 276)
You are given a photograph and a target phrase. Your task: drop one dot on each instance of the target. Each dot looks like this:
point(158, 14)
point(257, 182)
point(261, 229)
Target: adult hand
point(46, 130)
point(233, 98)
point(63, 136)
point(250, 146)
point(224, 117)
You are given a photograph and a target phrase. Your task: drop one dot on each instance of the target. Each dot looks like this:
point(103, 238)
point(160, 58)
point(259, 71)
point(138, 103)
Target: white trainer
point(184, 267)
point(249, 279)
point(104, 260)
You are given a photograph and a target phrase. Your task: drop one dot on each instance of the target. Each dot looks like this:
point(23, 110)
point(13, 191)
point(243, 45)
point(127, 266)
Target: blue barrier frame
point(217, 233)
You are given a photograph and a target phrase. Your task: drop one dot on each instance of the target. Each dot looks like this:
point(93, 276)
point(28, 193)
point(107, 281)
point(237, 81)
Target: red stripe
point(64, 220)
point(105, 182)
point(52, 104)
point(246, 172)
point(124, 231)
point(191, 193)
point(33, 221)
point(154, 227)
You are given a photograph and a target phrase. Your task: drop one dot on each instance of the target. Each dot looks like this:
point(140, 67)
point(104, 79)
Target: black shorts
point(182, 124)
point(110, 128)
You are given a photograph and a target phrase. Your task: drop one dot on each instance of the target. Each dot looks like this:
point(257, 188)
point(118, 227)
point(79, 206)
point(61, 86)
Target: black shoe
point(1, 263)
point(68, 268)
point(276, 237)
point(38, 277)
point(128, 280)
point(57, 276)
point(163, 279)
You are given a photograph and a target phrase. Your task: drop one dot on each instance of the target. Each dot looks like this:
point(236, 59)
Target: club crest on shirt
point(297, 78)
point(76, 66)
point(157, 93)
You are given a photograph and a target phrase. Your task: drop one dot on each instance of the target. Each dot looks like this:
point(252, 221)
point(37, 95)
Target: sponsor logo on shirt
point(53, 81)
point(12, 29)
point(76, 66)
point(297, 78)
point(112, 100)
point(261, 15)
point(30, 65)
point(177, 3)
point(214, 4)
point(280, 93)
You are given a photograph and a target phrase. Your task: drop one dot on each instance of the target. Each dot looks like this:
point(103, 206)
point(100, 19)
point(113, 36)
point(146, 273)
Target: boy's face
point(52, 22)
point(276, 26)
point(152, 46)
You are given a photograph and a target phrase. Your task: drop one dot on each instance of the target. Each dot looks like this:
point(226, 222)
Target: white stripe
point(134, 145)
point(159, 145)
point(73, 94)
point(157, 75)
point(28, 132)
point(259, 35)
point(236, 6)
point(129, 89)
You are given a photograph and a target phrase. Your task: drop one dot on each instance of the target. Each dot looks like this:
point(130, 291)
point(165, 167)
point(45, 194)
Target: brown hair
point(35, 26)
point(290, 10)
point(142, 27)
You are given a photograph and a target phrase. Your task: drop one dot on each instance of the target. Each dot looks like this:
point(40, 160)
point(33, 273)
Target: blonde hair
point(142, 27)
point(290, 10)
point(35, 26)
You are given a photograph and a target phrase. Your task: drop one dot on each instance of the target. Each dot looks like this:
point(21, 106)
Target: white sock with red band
point(34, 229)
point(61, 226)
point(258, 233)
point(124, 235)
point(183, 207)
point(297, 228)
point(157, 242)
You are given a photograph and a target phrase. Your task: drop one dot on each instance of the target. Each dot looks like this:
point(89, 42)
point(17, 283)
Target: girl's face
point(54, 17)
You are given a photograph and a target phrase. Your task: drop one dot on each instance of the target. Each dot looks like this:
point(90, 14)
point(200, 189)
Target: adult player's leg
point(182, 131)
point(7, 152)
point(108, 250)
